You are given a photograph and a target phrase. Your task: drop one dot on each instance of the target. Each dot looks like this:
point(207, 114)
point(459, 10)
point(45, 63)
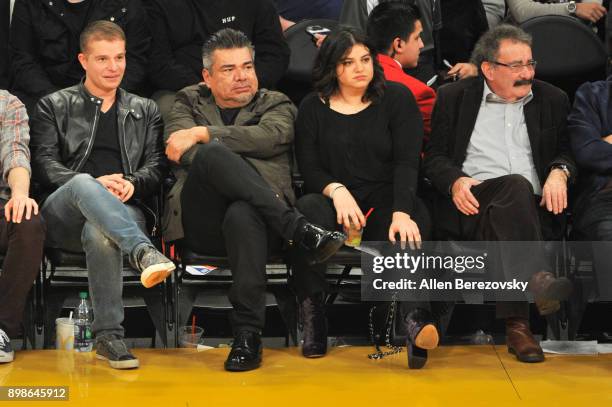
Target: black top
point(44, 45)
point(105, 156)
point(367, 151)
point(76, 14)
point(180, 27)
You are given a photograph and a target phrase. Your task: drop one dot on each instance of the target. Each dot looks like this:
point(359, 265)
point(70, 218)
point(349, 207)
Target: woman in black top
point(358, 142)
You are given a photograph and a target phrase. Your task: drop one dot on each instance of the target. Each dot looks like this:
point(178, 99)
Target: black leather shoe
point(320, 244)
point(314, 322)
point(422, 335)
point(246, 352)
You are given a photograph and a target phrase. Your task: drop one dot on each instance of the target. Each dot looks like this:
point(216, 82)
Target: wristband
point(331, 195)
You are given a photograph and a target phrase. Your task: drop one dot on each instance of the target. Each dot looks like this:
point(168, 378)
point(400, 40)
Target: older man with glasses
point(499, 157)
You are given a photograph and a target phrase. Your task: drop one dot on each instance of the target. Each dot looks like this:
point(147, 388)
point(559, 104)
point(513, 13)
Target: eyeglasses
point(517, 67)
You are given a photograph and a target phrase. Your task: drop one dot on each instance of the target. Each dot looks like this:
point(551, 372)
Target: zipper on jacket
point(91, 140)
point(127, 156)
point(152, 212)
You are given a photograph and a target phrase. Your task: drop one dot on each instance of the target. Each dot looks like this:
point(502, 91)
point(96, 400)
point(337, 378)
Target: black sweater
point(369, 151)
point(180, 28)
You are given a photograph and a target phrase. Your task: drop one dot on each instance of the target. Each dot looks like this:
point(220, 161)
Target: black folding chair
point(568, 52)
point(215, 284)
point(297, 81)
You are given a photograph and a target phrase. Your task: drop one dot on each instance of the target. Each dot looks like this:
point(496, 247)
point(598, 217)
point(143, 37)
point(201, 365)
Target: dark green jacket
point(263, 134)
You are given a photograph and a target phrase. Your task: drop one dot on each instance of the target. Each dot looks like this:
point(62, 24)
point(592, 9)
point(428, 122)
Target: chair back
point(565, 48)
point(303, 49)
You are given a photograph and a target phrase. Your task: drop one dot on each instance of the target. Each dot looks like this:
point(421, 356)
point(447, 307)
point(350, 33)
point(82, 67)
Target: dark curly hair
point(335, 47)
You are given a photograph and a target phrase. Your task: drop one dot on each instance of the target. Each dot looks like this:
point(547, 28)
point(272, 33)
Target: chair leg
point(154, 299)
point(287, 306)
point(334, 294)
point(28, 322)
point(39, 319)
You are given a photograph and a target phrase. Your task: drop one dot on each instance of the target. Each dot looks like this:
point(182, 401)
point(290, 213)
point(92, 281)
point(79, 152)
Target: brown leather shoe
point(547, 307)
point(521, 342)
point(549, 291)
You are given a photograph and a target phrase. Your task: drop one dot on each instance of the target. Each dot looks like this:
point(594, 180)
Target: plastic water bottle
point(83, 340)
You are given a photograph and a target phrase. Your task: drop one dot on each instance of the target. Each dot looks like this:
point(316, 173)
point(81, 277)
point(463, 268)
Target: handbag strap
point(392, 350)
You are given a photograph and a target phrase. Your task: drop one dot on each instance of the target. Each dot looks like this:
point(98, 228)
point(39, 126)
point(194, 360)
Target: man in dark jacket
point(180, 27)
point(590, 133)
point(232, 146)
point(499, 158)
point(98, 152)
point(44, 43)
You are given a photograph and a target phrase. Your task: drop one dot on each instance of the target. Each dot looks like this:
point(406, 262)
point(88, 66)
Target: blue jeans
point(82, 216)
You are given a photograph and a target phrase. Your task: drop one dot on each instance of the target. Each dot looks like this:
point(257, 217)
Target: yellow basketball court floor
point(454, 376)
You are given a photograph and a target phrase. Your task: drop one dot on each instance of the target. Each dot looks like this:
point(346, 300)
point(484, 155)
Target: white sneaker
point(7, 354)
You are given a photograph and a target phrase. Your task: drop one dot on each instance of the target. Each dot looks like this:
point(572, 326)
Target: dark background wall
point(4, 37)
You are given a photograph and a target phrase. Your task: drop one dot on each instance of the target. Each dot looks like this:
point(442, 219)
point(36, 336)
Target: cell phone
point(317, 29)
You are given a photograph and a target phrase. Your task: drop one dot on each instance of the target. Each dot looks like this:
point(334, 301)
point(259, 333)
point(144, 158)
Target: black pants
point(508, 211)
point(593, 223)
point(310, 280)
point(22, 244)
point(229, 209)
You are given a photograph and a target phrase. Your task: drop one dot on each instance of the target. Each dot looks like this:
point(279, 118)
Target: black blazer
point(453, 120)
point(454, 117)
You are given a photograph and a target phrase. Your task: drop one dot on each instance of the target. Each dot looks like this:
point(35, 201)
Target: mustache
point(523, 82)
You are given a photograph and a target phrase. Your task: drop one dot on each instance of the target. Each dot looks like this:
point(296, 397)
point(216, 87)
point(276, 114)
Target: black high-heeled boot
point(422, 336)
point(314, 322)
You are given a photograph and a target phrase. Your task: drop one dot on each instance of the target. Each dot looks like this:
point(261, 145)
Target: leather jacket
point(63, 129)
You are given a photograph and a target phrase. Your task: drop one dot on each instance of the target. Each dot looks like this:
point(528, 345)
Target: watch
point(561, 167)
point(571, 8)
point(130, 178)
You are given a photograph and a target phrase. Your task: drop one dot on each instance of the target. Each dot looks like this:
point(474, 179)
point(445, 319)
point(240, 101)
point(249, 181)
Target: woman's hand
point(407, 228)
point(347, 209)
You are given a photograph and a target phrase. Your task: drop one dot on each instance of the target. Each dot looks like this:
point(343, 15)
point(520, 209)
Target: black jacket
point(452, 123)
point(180, 28)
point(589, 122)
point(44, 48)
point(64, 125)
point(454, 117)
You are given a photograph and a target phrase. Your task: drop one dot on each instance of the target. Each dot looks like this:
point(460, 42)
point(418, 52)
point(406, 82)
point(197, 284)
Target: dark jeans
point(310, 280)
point(229, 209)
point(22, 244)
point(508, 212)
point(594, 223)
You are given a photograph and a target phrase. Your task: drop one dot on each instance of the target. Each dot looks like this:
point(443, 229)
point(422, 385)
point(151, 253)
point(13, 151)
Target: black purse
point(386, 329)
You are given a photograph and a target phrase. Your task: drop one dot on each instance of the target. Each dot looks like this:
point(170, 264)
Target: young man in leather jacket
point(98, 153)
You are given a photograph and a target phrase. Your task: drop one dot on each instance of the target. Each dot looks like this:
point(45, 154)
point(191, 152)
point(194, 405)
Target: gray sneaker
point(153, 266)
point(113, 349)
point(7, 354)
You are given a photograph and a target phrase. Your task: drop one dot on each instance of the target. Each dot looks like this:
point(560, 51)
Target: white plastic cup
point(64, 334)
point(187, 339)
